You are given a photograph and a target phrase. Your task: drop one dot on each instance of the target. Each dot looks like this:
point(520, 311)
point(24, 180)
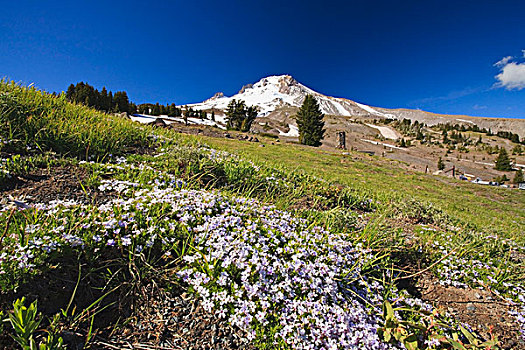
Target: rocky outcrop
point(216, 96)
point(244, 88)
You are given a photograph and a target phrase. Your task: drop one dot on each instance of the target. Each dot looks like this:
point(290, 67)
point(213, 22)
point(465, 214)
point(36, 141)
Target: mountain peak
point(215, 97)
point(274, 91)
point(283, 82)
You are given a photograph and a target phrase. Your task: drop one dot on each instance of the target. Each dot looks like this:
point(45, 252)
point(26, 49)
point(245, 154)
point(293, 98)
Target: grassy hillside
point(488, 209)
point(134, 237)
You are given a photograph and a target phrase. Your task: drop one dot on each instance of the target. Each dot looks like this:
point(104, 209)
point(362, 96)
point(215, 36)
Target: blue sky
point(439, 56)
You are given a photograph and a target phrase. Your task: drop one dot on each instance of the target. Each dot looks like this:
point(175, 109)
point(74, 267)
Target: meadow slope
point(120, 235)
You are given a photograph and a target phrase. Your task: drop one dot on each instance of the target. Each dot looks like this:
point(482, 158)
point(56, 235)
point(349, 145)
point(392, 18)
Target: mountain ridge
point(277, 91)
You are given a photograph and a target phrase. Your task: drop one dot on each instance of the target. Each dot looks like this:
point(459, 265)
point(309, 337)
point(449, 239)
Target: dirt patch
point(151, 317)
point(57, 183)
point(176, 321)
point(480, 309)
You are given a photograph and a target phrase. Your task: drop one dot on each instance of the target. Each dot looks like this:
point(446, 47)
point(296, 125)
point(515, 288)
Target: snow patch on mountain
point(385, 131)
point(276, 91)
point(292, 132)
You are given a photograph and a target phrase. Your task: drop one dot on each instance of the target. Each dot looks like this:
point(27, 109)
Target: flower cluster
point(250, 263)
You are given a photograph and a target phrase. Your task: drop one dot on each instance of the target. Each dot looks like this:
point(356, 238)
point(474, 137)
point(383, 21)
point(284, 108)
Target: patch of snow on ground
point(143, 119)
point(465, 121)
point(340, 108)
point(369, 109)
point(293, 132)
point(387, 132)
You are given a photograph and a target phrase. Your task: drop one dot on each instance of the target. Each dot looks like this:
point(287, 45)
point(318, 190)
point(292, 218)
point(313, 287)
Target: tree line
point(460, 127)
point(171, 110)
point(118, 102)
point(103, 100)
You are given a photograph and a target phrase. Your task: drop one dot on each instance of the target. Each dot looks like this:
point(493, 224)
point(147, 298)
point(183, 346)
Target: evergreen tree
point(70, 93)
point(441, 164)
point(187, 112)
point(445, 137)
point(238, 116)
point(172, 112)
point(156, 109)
point(249, 116)
point(121, 102)
point(232, 115)
point(518, 178)
point(110, 101)
point(105, 102)
point(310, 122)
point(503, 161)
point(213, 115)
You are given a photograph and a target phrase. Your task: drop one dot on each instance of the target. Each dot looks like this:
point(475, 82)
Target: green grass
point(31, 120)
point(489, 209)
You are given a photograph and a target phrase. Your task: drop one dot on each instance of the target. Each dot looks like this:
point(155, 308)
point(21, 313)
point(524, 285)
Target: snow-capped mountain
point(279, 96)
point(283, 90)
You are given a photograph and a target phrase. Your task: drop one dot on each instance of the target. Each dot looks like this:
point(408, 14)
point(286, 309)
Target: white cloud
point(503, 61)
point(523, 51)
point(512, 75)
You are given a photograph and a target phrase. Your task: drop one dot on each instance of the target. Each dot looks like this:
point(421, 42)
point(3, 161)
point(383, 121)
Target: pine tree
point(156, 109)
point(187, 113)
point(172, 110)
point(310, 122)
point(249, 116)
point(121, 101)
point(105, 103)
point(238, 116)
point(518, 178)
point(110, 101)
point(232, 115)
point(445, 137)
point(441, 164)
point(503, 161)
point(70, 93)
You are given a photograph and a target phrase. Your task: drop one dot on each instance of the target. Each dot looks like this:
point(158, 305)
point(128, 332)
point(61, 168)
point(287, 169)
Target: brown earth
point(485, 312)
